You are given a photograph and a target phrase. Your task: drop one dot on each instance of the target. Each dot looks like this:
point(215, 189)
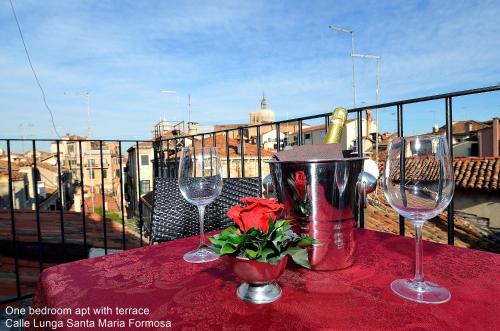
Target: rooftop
point(469, 233)
point(471, 173)
point(464, 127)
point(220, 141)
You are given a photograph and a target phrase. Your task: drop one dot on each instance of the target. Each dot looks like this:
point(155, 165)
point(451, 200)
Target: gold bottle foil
point(334, 134)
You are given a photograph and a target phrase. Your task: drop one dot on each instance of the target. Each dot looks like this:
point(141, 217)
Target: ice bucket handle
point(367, 181)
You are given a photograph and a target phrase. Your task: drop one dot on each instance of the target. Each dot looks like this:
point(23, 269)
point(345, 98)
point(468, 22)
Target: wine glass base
point(201, 255)
point(423, 292)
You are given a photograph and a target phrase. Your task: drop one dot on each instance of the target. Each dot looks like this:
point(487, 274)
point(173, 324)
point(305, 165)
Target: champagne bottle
point(334, 134)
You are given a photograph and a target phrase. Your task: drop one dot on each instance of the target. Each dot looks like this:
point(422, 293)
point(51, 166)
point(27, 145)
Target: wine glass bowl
point(200, 183)
point(418, 183)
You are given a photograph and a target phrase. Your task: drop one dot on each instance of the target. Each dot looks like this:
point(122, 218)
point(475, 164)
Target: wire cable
point(34, 72)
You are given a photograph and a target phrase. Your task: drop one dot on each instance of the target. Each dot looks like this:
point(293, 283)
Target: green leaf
point(215, 241)
point(251, 253)
point(216, 249)
point(266, 252)
point(236, 240)
point(280, 223)
point(274, 260)
point(227, 249)
point(299, 256)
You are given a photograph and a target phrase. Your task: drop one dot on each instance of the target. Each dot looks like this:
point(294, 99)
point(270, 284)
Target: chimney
point(468, 127)
point(435, 128)
point(496, 136)
point(369, 117)
point(192, 128)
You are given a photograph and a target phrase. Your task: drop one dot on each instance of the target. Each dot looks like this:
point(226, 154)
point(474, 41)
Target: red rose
point(256, 213)
point(300, 184)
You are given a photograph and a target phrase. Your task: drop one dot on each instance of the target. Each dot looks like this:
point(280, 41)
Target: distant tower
point(264, 114)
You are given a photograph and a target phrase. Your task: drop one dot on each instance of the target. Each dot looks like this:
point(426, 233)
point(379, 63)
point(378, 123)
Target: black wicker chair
point(173, 217)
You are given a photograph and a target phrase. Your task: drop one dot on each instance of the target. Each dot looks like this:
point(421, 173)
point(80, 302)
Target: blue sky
point(225, 53)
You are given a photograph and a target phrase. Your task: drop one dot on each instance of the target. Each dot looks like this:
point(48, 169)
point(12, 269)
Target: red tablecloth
point(194, 297)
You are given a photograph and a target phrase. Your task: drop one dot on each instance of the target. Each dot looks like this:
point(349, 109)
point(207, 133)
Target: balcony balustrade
point(109, 215)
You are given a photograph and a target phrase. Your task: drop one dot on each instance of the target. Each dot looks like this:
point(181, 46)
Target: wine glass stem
point(419, 267)
point(201, 211)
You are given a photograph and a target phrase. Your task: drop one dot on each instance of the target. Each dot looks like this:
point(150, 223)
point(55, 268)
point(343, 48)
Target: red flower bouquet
point(260, 235)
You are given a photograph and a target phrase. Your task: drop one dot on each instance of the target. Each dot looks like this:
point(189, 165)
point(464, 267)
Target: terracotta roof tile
point(250, 149)
point(16, 175)
point(475, 173)
point(381, 217)
point(314, 128)
point(111, 203)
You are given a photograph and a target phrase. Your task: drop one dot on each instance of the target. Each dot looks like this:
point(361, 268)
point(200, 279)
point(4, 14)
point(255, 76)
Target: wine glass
point(419, 193)
point(200, 182)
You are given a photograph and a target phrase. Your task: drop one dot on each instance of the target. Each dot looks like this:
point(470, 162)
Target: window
point(72, 162)
point(308, 136)
point(144, 187)
point(91, 162)
point(144, 160)
point(71, 149)
point(117, 173)
point(91, 174)
point(104, 173)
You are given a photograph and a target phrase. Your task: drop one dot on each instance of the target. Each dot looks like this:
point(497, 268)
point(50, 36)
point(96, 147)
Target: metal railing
point(34, 198)
point(165, 162)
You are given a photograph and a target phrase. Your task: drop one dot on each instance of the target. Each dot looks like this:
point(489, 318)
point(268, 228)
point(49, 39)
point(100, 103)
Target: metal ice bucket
point(323, 199)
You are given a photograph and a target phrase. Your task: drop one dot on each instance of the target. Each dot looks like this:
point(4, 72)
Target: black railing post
point(156, 154)
point(449, 135)
point(228, 160)
point(168, 158)
point(399, 119)
point(13, 222)
point(300, 138)
point(121, 193)
point(103, 199)
point(60, 204)
point(359, 142)
point(139, 188)
point(278, 137)
point(242, 153)
point(82, 187)
point(259, 159)
point(359, 147)
point(176, 158)
point(37, 208)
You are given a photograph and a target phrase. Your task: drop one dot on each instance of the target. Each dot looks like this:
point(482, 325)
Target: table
point(193, 297)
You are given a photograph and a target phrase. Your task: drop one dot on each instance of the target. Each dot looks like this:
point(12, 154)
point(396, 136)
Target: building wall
point(70, 160)
point(489, 139)
point(314, 137)
point(21, 197)
point(464, 149)
point(269, 141)
point(479, 203)
point(132, 180)
point(349, 135)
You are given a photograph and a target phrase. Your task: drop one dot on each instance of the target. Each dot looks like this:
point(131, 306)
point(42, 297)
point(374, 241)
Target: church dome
point(263, 115)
